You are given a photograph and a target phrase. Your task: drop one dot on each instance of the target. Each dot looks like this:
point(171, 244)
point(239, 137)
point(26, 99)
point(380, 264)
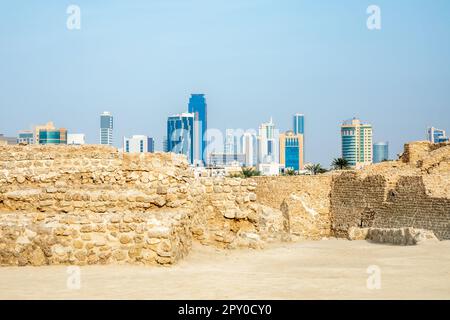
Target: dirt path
point(330, 269)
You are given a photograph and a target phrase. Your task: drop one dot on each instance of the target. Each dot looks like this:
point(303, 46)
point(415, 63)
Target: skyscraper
point(356, 142)
point(197, 106)
point(291, 151)
point(380, 152)
point(106, 128)
point(249, 149)
point(181, 130)
point(266, 143)
point(299, 124)
point(436, 135)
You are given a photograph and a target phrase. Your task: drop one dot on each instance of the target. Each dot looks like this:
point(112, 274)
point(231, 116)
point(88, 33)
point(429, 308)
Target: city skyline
point(253, 62)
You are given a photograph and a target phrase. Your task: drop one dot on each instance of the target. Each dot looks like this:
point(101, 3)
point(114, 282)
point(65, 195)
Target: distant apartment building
point(26, 137)
point(357, 142)
point(138, 144)
point(76, 138)
point(267, 152)
point(291, 151)
point(45, 127)
point(7, 140)
point(106, 128)
point(436, 135)
point(181, 133)
point(226, 159)
point(231, 142)
point(53, 136)
point(380, 152)
point(249, 148)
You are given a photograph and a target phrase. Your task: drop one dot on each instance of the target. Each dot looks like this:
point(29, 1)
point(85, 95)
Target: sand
point(327, 269)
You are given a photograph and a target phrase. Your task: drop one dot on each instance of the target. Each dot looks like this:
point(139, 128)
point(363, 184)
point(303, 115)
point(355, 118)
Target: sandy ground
point(328, 269)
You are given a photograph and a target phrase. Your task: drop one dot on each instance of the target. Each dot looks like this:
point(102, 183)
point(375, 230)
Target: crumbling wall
point(413, 192)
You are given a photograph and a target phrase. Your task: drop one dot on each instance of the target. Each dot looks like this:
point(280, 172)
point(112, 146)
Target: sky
point(253, 59)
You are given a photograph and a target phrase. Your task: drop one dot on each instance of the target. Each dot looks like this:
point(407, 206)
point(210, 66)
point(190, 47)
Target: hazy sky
point(252, 58)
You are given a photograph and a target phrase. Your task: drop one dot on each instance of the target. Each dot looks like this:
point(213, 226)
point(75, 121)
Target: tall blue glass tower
point(197, 106)
point(180, 135)
point(299, 124)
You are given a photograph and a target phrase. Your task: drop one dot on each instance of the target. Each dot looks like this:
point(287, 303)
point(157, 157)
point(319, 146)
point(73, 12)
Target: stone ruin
point(95, 205)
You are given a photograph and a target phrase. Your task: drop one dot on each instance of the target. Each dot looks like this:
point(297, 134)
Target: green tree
point(250, 172)
point(340, 164)
point(289, 172)
point(315, 168)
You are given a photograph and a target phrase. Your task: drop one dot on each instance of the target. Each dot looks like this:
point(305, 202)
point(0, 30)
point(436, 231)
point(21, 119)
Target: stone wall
point(413, 192)
point(93, 204)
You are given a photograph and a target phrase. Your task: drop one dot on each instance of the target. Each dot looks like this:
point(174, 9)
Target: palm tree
point(315, 168)
point(340, 164)
point(289, 172)
point(250, 172)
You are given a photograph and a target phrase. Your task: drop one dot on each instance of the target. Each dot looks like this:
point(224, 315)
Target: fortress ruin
point(94, 205)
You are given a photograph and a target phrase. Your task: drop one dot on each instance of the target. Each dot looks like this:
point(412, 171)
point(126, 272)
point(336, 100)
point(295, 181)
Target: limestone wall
point(413, 192)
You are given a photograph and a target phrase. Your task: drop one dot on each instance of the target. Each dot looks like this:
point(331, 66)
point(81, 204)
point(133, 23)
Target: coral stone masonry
point(95, 205)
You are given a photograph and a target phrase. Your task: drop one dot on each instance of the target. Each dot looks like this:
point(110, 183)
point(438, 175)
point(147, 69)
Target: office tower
point(53, 136)
point(356, 142)
point(26, 137)
point(181, 130)
point(106, 128)
point(299, 124)
point(7, 140)
point(36, 129)
point(197, 106)
point(138, 144)
point(291, 151)
point(76, 138)
point(380, 152)
point(436, 135)
point(266, 143)
point(249, 149)
point(231, 142)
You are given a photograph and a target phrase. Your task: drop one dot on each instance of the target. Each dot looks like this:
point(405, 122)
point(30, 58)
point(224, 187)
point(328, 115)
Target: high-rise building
point(356, 142)
point(291, 151)
point(181, 129)
point(197, 106)
point(76, 138)
point(138, 144)
point(267, 143)
point(380, 152)
point(249, 146)
point(53, 136)
point(106, 128)
point(26, 137)
point(436, 135)
point(231, 142)
point(299, 124)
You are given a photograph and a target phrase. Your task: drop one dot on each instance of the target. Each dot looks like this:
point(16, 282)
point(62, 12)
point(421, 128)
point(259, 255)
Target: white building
point(267, 143)
point(269, 169)
point(249, 149)
point(76, 138)
point(138, 144)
